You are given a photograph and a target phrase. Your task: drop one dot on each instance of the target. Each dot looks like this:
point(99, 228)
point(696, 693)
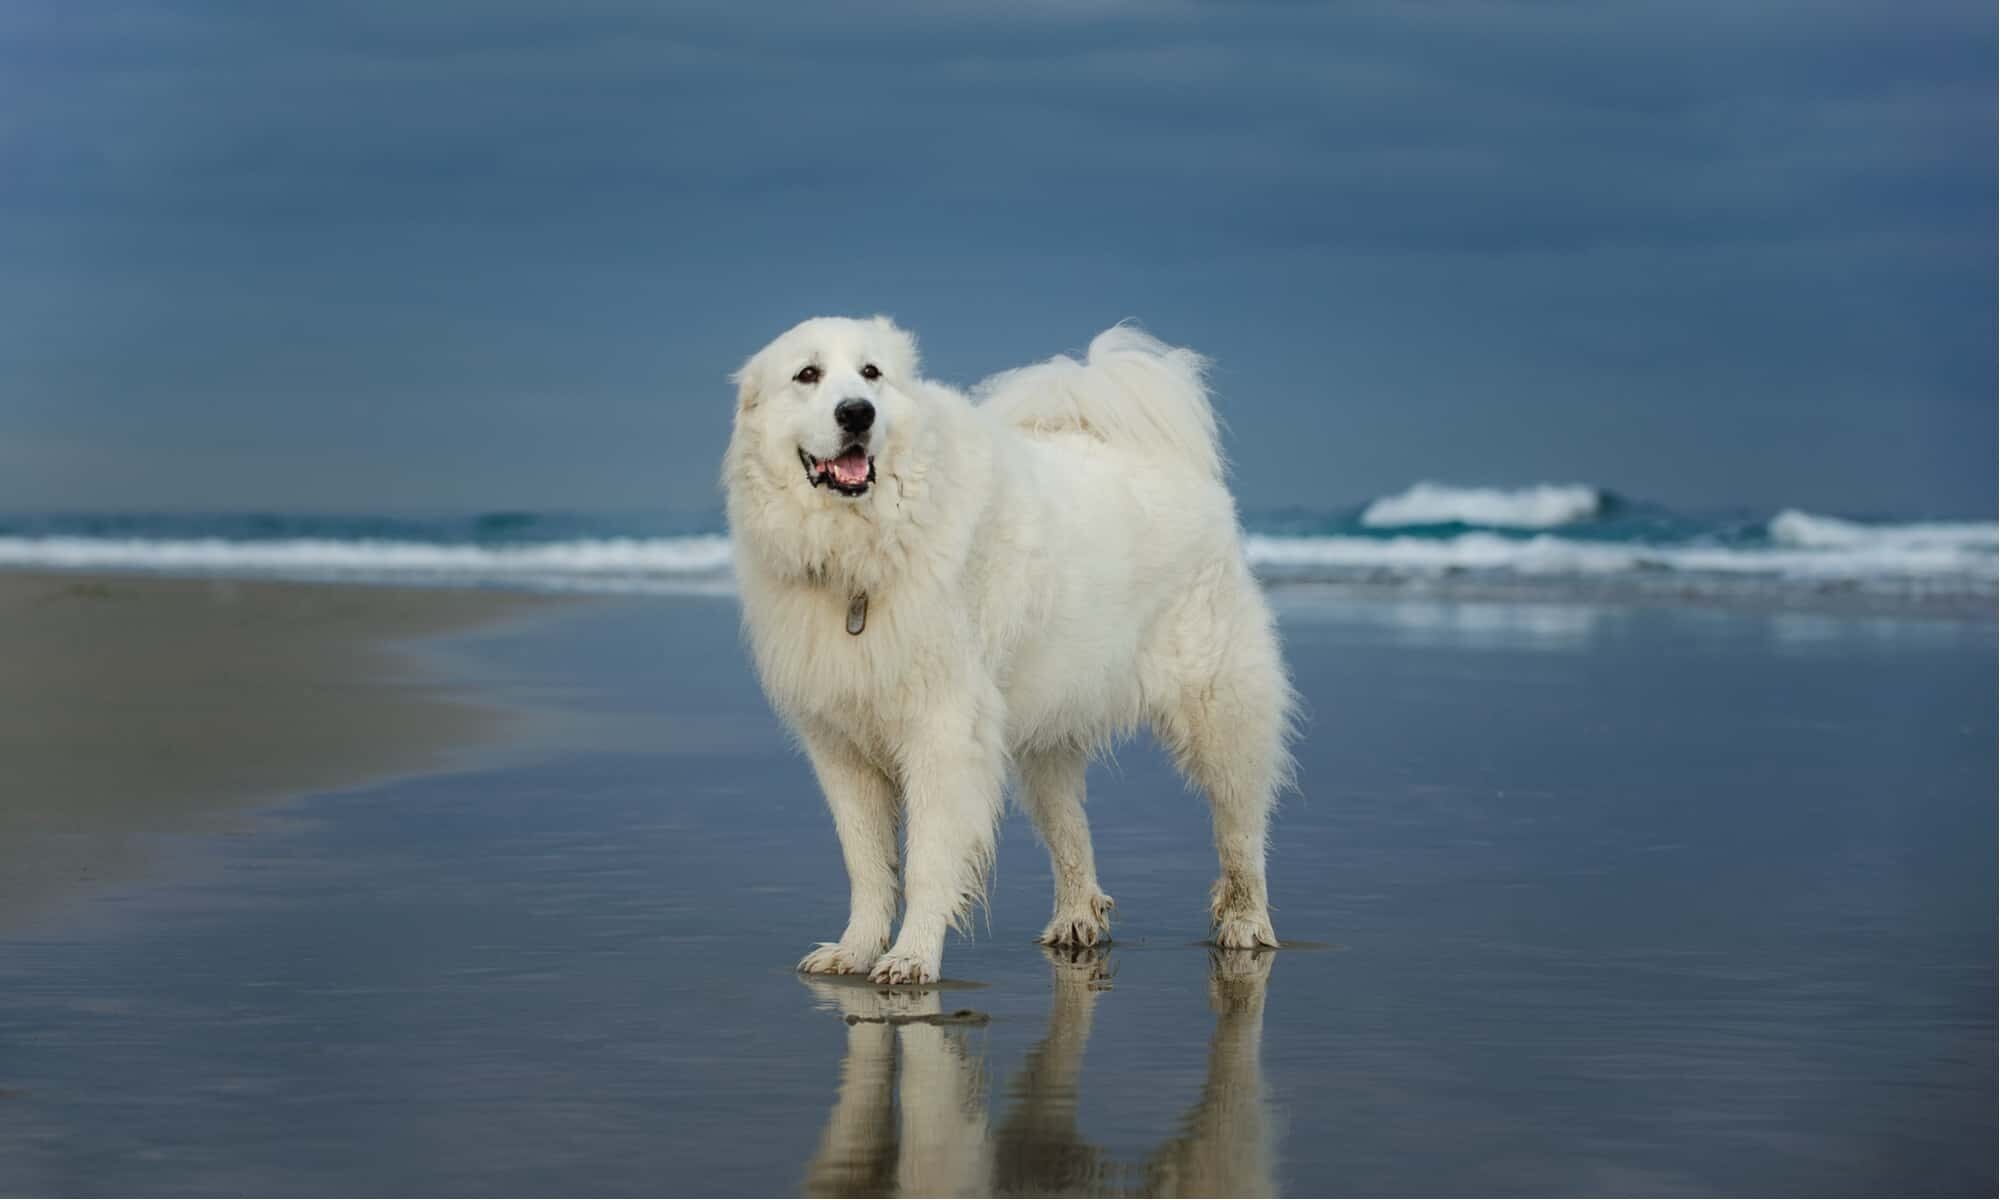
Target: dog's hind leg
point(1224, 711)
point(1052, 792)
point(953, 769)
point(863, 802)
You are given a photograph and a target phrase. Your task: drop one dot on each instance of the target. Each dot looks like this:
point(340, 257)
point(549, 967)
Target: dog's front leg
point(953, 770)
point(863, 802)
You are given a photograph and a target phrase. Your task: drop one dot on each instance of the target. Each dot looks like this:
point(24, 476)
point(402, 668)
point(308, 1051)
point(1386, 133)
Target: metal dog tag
point(857, 613)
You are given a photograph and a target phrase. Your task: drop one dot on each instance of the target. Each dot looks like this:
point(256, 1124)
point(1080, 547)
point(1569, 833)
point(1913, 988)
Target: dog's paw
point(835, 958)
point(1244, 931)
point(1086, 924)
point(893, 968)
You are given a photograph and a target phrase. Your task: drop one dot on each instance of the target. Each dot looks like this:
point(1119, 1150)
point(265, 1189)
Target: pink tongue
point(850, 468)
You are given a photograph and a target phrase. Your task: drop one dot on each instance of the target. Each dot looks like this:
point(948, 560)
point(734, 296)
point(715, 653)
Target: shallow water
point(1611, 901)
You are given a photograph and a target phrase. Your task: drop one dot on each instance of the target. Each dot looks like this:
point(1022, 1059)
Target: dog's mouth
point(850, 473)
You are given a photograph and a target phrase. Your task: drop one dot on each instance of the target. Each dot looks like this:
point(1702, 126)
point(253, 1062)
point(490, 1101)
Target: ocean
point(1545, 541)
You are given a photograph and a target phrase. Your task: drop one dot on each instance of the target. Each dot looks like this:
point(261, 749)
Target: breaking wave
point(697, 563)
point(1562, 541)
point(1543, 506)
point(1795, 528)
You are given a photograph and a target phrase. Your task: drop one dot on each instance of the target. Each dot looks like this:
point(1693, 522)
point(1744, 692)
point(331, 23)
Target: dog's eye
point(871, 372)
point(806, 375)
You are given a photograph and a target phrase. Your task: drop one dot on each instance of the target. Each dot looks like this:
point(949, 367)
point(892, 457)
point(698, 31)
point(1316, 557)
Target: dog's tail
point(1131, 390)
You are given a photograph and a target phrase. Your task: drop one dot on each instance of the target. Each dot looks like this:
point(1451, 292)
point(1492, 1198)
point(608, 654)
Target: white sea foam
point(617, 563)
point(1804, 552)
point(1795, 528)
point(1542, 506)
point(1930, 566)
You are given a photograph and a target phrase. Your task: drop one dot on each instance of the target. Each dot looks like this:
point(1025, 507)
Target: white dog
point(936, 590)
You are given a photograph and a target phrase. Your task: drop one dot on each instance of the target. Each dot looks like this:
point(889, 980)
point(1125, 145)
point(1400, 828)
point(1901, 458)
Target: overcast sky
point(499, 255)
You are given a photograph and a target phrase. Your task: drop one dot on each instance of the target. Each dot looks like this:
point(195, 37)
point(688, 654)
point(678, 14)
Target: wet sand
point(1615, 901)
point(133, 706)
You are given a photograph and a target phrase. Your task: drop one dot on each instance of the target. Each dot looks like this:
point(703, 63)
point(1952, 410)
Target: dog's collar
point(857, 613)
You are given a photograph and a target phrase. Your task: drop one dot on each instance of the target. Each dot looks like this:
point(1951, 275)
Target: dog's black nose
point(854, 416)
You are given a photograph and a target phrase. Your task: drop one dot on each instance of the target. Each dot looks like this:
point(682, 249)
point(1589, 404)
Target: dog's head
point(831, 402)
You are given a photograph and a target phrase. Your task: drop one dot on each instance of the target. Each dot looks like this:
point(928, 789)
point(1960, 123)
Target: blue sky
point(500, 255)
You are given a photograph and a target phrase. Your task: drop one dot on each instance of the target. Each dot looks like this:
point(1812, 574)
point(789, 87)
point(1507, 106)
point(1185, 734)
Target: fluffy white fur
point(1045, 570)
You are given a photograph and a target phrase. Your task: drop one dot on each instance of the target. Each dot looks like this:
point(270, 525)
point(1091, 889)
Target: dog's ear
point(745, 380)
point(910, 362)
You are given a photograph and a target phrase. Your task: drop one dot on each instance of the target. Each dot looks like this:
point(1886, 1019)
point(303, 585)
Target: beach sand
point(1613, 901)
point(133, 706)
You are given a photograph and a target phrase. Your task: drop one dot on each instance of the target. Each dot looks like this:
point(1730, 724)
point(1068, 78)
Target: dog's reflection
point(911, 1117)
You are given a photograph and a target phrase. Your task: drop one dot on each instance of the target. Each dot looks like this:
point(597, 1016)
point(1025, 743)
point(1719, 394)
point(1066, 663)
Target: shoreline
point(1831, 604)
point(1725, 594)
point(135, 707)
